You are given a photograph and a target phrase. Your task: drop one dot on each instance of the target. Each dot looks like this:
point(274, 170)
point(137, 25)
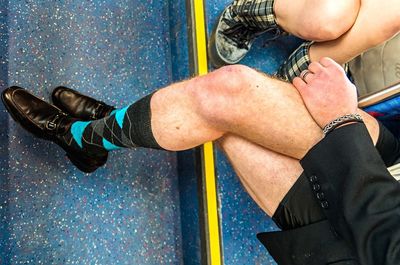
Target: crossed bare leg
point(262, 123)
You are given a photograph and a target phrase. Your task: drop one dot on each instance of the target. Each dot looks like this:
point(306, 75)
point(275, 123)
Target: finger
point(326, 61)
point(299, 84)
point(307, 76)
point(315, 67)
point(304, 73)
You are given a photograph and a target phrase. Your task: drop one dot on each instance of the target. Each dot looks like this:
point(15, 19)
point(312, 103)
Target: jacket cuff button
point(313, 179)
point(316, 187)
point(324, 205)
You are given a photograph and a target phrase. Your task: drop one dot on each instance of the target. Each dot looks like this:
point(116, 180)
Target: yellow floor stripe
point(201, 37)
point(212, 205)
point(208, 151)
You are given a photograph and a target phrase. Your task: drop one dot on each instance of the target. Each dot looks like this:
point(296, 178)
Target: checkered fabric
point(255, 13)
point(297, 62)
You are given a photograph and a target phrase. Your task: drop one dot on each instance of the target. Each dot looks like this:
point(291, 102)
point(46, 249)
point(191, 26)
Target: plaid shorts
point(255, 13)
point(297, 62)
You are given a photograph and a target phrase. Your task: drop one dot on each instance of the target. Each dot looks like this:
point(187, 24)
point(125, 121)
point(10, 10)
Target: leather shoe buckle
point(96, 111)
point(51, 126)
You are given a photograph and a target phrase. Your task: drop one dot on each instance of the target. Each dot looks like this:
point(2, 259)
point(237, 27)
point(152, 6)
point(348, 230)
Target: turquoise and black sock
point(126, 127)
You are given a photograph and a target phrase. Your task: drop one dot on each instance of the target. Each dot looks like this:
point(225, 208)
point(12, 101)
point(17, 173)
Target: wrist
point(342, 121)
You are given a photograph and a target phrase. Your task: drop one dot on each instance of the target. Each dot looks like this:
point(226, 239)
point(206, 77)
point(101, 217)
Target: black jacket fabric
point(360, 199)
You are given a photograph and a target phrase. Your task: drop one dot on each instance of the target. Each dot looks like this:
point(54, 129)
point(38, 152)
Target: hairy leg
point(238, 100)
point(376, 22)
point(267, 176)
point(234, 99)
point(318, 20)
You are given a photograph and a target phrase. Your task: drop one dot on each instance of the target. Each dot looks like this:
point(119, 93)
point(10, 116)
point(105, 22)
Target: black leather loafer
point(47, 122)
point(79, 105)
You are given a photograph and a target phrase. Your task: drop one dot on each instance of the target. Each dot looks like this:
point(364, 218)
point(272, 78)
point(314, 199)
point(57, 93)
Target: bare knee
point(328, 19)
point(220, 89)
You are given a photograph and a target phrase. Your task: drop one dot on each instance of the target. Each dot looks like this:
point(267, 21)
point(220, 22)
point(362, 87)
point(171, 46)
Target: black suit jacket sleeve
point(314, 244)
point(361, 201)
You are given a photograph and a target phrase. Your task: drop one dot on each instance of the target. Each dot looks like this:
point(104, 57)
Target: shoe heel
point(85, 164)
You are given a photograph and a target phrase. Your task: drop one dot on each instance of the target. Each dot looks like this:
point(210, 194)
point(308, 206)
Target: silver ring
point(304, 74)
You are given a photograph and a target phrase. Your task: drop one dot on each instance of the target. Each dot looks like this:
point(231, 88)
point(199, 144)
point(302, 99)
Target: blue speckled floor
point(135, 210)
point(125, 213)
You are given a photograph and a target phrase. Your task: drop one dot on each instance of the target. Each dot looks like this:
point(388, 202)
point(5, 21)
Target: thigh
point(267, 176)
point(272, 180)
point(380, 17)
point(377, 21)
point(318, 20)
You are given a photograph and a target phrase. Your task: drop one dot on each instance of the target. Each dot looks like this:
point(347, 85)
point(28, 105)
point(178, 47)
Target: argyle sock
point(126, 127)
point(255, 13)
point(297, 62)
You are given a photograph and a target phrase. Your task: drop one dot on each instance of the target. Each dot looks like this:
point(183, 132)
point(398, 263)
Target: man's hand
point(326, 91)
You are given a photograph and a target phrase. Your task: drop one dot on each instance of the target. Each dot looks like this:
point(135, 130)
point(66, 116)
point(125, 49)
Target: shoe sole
point(213, 54)
point(216, 60)
point(84, 164)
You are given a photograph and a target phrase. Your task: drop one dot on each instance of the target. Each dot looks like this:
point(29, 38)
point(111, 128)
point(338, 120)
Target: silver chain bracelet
point(340, 121)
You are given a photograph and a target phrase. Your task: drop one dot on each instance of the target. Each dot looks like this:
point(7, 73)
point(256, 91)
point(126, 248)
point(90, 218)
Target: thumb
point(300, 85)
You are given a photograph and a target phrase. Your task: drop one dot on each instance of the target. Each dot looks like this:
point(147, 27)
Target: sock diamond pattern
point(127, 127)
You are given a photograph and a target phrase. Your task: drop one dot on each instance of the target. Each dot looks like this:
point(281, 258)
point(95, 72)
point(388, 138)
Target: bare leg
point(343, 29)
point(377, 22)
point(267, 176)
point(233, 99)
point(318, 20)
point(238, 100)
